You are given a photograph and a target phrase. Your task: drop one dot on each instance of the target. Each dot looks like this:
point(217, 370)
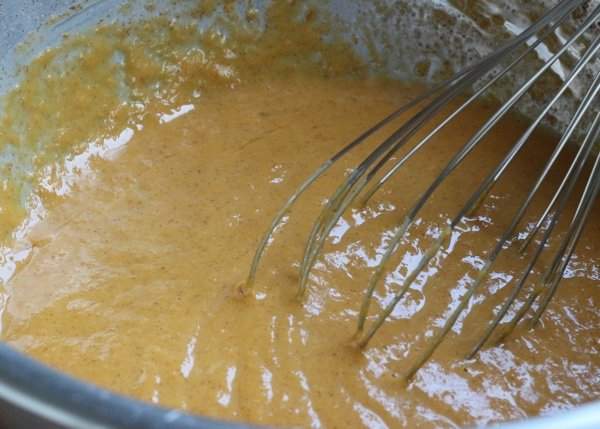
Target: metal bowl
point(34, 395)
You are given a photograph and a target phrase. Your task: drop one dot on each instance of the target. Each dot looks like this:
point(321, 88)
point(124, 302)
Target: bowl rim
point(60, 400)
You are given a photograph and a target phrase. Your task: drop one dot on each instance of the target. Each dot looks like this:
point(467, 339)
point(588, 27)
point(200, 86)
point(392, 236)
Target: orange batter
point(128, 280)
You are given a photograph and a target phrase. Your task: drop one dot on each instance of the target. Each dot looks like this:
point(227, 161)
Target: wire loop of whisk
point(476, 80)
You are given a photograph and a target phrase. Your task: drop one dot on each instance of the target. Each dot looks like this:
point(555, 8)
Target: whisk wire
point(476, 197)
point(323, 168)
point(479, 77)
point(400, 232)
point(583, 107)
point(573, 235)
point(477, 95)
point(539, 289)
point(355, 183)
point(570, 180)
point(315, 245)
point(485, 187)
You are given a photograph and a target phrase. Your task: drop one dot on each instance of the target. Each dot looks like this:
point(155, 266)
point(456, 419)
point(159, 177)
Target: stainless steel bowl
point(34, 395)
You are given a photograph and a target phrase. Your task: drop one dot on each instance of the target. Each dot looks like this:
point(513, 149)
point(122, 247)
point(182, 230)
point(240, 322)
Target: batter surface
point(128, 280)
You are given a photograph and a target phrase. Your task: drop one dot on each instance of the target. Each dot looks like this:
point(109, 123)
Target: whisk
point(483, 75)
